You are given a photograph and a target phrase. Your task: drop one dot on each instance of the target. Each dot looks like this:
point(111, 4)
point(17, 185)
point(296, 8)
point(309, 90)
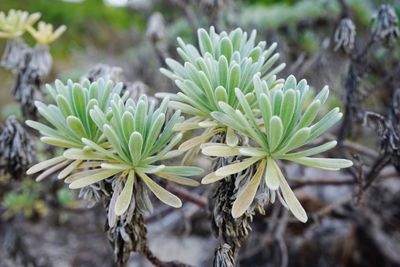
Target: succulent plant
point(69, 121)
point(16, 22)
point(225, 61)
point(137, 137)
point(106, 136)
point(45, 33)
point(281, 124)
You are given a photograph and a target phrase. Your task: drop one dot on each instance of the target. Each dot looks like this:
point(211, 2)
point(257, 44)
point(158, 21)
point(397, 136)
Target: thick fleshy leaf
point(55, 141)
point(44, 165)
point(252, 152)
point(76, 125)
point(69, 169)
point(236, 167)
point(154, 132)
point(182, 170)
point(79, 100)
point(309, 115)
point(112, 137)
point(291, 200)
point(296, 140)
point(81, 174)
point(211, 178)
point(220, 150)
point(227, 120)
point(272, 174)
point(186, 126)
point(309, 152)
point(128, 123)
point(205, 42)
point(275, 132)
point(323, 163)
point(330, 119)
point(151, 168)
point(46, 130)
point(101, 174)
point(52, 170)
point(161, 193)
point(100, 149)
point(195, 141)
point(247, 193)
point(135, 147)
point(231, 137)
point(288, 107)
point(80, 154)
point(124, 199)
point(115, 166)
point(178, 179)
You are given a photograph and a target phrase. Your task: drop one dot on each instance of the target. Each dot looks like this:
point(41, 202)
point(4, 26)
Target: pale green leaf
point(101, 174)
point(247, 193)
point(236, 167)
point(162, 194)
point(124, 199)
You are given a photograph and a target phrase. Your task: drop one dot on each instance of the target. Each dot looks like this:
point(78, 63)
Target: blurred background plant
point(351, 45)
point(25, 201)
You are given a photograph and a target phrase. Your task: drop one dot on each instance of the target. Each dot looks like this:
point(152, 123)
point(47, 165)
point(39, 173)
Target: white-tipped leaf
point(231, 137)
point(69, 169)
point(292, 202)
point(178, 179)
point(236, 167)
point(272, 174)
point(247, 194)
point(124, 199)
point(161, 193)
point(44, 165)
point(323, 163)
point(196, 141)
point(220, 150)
point(252, 152)
point(101, 174)
point(211, 178)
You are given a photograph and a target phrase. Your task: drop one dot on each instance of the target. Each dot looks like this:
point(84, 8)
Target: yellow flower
point(16, 23)
point(45, 34)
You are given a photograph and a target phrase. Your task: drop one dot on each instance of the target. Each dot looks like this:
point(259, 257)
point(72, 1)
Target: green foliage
point(15, 23)
point(89, 20)
point(106, 135)
point(25, 200)
point(211, 74)
point(140, 137)
point(274, 14)
point(227, 87)
point(66, 198)
point(69, 120)
point(281, 124)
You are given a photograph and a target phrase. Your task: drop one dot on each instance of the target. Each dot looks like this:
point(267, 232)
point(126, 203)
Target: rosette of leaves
point(137, 137)
point(45, 33)
point(68, 121)
point(212, 73)
point(16, 22)
point(281, 124)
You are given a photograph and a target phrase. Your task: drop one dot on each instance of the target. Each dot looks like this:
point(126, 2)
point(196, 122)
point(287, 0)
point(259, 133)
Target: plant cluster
point(30, 64)
point(211, 74)
point(228, 87)
point(17, 22)
point(251, 123)
point(105, 135)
